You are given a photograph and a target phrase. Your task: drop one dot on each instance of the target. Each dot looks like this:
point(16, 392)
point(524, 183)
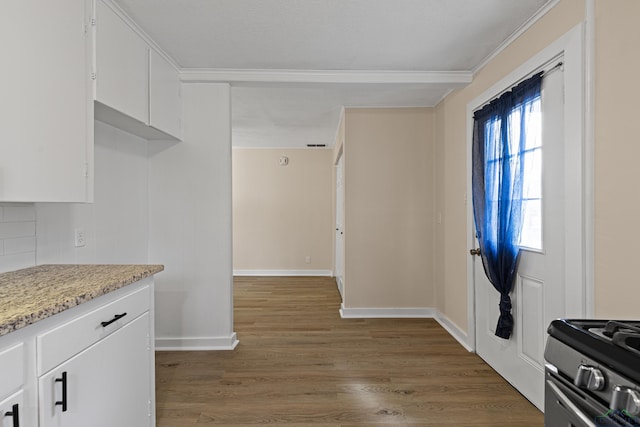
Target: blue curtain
point(499, 138)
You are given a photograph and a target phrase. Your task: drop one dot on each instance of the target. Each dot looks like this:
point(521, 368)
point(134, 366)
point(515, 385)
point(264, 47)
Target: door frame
point(579, 287)
point(339, 161)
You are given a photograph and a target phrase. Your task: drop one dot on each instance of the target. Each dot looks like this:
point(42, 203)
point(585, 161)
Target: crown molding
point(517, 33)
point(452, 79)
point(208, 75)
point(115, 7)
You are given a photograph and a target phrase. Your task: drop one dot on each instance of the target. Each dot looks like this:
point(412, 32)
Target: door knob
point(474, 251)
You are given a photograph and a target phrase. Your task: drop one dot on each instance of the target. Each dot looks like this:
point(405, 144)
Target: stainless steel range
point(592, 374)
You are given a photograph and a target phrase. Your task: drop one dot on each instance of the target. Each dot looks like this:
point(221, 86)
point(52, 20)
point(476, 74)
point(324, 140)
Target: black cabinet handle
point(64, 401)
point(15, 413)
point(116, 317)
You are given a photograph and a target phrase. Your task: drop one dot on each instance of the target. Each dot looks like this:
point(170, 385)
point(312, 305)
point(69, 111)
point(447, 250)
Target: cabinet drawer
point(59, 344)
point(11, 369)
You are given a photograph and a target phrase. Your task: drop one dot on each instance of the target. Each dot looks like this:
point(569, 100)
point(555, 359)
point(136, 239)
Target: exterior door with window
point(539, 290)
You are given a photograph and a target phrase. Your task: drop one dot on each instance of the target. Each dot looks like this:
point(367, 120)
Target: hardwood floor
point(299, 364)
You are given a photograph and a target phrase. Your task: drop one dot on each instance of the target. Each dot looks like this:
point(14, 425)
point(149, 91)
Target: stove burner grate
point(623, 335)
point(614, 326)
point(614, 344)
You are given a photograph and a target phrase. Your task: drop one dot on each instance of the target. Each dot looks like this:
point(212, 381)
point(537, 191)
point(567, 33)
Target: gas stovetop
point(615, 344)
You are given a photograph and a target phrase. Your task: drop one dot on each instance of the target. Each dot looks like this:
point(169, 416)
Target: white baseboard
point(324, 273)
point(416, 312)
point(230, 342)
point(377, 313)
point(455, 331)
point(197, 343)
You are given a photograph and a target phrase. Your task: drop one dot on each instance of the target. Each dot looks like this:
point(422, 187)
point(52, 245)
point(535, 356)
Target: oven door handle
point(571, 407)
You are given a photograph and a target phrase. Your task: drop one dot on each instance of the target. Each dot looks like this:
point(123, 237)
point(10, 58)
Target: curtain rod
point(545, 73)
point(552, 69)
point(558, 66)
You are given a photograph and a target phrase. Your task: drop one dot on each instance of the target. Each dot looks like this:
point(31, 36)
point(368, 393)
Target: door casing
point(578, 204)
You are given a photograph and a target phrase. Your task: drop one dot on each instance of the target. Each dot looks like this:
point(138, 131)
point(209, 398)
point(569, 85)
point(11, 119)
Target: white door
point(339, 261)
point(539, 290)
point(107, 385)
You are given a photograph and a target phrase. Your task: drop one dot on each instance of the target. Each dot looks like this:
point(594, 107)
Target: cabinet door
point(46, 111)
point(10, 409)
point(165, 105)
point(121, 66)
point(12, 368)
point(107, 385)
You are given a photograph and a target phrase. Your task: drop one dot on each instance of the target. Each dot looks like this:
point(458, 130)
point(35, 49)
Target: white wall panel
point(115, 224)
point(17, 236)
point(190, 224)
point(530, 318)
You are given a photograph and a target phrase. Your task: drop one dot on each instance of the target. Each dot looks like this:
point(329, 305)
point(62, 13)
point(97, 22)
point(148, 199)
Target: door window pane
point(531, 237)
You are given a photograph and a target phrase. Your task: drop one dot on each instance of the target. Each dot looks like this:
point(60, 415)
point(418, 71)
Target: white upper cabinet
point(164, 96)
point(46, 111)
point(136, 89)
point(121, 66)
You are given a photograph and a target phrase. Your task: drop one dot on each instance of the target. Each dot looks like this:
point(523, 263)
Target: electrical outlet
point(80, 238)
point(307, 259)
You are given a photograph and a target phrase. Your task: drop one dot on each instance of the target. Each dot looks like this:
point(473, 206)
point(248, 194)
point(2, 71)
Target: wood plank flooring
point(299, 364)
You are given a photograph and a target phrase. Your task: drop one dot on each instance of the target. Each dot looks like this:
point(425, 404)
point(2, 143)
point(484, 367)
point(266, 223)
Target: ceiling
point(293, 64)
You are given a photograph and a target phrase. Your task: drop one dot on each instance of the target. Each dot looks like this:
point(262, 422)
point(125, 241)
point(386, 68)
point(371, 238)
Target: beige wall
point(451, 124)
point(389, 208)
point(617, 155)
point(390, 149)
point(281, 214)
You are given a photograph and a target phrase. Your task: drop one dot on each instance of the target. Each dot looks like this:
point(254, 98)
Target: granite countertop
point(33, 294)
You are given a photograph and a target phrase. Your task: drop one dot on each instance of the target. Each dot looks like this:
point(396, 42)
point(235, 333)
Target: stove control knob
point(625, 399)
point(590, 378)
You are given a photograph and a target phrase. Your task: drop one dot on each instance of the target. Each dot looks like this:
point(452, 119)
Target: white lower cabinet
point(12, 381)
point(104, 385)
point(90, 366)
point(10, 411)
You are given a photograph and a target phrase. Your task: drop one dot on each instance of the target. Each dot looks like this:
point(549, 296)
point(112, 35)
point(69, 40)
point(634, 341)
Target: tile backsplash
point(17, 236)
